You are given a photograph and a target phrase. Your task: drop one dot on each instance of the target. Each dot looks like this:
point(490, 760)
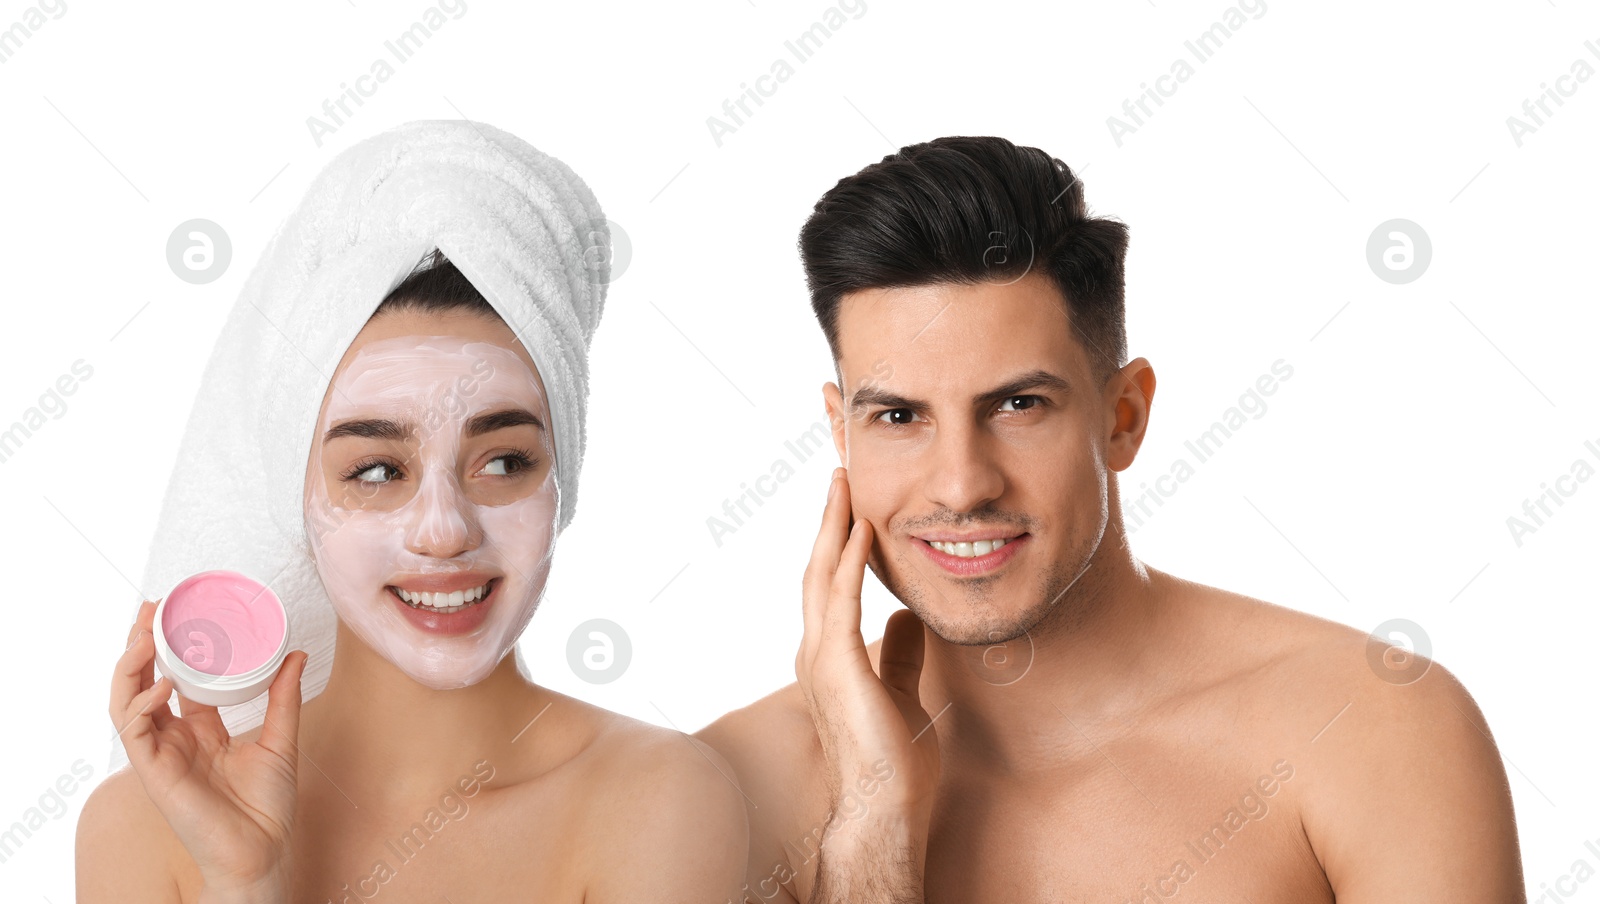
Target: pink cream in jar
point(221, 637)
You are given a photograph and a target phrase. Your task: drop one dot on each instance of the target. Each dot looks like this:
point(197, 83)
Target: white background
point(1377, 484)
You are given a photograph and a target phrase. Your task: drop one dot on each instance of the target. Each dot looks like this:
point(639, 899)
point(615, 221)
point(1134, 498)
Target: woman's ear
point(1129, 395)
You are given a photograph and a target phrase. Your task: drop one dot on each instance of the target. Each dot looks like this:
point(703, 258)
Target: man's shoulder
point(1247, 642)
point(775, 726)
point(1361, 696)
point(1275, 644)
point(1389, 748)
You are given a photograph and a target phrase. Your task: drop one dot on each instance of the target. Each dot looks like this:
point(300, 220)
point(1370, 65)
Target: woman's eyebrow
point(477, 425)
point(491, 421)
point(369, 428)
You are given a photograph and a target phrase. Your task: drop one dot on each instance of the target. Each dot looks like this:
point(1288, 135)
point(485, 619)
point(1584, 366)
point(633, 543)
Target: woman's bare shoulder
point(125, 851)
point(668, 804)
point(627, 751)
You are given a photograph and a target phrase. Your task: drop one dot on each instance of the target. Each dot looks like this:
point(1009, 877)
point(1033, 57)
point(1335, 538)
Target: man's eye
point(896, 417)
point(1028, 401)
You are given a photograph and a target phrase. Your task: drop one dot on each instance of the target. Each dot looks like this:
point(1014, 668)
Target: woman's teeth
point(967, 550)
point(443, 603)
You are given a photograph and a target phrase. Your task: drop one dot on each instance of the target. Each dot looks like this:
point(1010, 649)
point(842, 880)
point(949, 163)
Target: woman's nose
point(440, 522)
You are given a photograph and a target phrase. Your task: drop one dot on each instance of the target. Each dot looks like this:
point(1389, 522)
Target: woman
point(441, 468)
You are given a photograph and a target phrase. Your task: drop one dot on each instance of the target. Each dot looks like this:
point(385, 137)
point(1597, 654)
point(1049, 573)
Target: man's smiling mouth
point(966, 549)
point(972, 554)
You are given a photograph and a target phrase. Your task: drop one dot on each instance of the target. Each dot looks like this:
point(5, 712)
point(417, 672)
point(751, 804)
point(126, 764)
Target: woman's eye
point(366, 474)
point(522, 463)
point(1028, 400)
point(896, 417)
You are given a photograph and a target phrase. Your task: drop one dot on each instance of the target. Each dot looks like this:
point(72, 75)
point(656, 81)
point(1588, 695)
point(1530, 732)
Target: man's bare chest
point(1125, 828)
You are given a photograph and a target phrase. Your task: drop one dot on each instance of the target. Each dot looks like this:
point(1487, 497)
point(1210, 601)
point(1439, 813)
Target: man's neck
point(1086, 662)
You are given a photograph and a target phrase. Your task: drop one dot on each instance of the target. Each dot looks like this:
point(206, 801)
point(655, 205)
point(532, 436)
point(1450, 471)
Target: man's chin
point(967, 630)
point(990, 613)
point(997, 651)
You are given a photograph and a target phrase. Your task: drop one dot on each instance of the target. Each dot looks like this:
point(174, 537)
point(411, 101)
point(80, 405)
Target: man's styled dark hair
point(969, 209)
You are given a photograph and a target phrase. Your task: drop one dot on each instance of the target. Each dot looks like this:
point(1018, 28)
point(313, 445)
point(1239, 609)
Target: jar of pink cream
point(221, 637)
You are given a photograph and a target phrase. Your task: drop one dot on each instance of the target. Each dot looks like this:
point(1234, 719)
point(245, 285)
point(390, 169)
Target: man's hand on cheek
point(879, 743)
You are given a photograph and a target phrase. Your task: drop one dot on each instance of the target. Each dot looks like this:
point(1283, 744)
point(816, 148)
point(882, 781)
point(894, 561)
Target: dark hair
point(436, 286)
point(969, 209)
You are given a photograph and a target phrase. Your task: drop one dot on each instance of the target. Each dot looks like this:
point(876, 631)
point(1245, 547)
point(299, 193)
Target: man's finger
point(825, 552)
point(842, 620)
point(901, 655)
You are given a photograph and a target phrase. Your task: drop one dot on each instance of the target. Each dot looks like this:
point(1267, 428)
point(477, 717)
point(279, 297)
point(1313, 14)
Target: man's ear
point(833, 403)
point(1129, 394)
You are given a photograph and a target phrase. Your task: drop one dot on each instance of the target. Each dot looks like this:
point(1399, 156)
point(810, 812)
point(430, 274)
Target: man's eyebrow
point(1035, 379)
point(478, 425)
point(876, 397)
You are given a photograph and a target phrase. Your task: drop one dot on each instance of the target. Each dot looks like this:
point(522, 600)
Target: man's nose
point(962, 473)
point(440, 521)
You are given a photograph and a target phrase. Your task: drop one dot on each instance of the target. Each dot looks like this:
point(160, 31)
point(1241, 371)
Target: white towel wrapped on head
point(521, 225)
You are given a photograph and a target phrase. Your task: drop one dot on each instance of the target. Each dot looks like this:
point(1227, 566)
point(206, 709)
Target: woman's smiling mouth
point(442, 608)
point(440, 602)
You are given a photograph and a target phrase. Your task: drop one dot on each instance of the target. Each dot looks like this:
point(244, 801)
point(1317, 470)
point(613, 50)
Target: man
point(1052, 719)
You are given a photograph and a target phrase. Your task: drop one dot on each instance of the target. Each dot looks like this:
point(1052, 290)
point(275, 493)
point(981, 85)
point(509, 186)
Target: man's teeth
point(967, 550)
point(443, 601)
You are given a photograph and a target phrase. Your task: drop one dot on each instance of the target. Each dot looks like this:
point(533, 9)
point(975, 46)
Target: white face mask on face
point(437, 503)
